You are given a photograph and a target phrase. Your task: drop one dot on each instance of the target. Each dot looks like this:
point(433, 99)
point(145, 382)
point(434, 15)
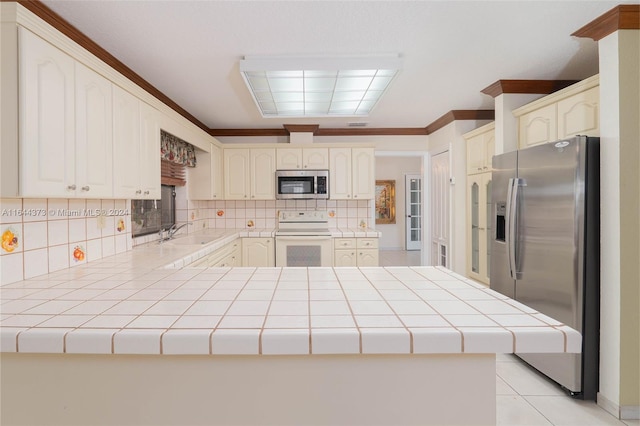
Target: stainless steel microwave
point(302, 184)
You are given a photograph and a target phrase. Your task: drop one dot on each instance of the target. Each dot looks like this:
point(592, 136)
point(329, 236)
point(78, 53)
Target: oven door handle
point(302, 237)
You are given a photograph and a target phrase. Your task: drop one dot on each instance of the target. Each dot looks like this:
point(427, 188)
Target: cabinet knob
point(297, 166)
point(71, 187)
point(139, 191)
point(348, 196)
point(479, 168)
point(85, 188)
point(253, 196)
point(245, 196)
point(355, 196)
point(305, 166)
point(146, 192)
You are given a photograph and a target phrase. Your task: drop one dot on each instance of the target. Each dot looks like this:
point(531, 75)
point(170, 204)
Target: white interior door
point(413, 210)
point(440, 209)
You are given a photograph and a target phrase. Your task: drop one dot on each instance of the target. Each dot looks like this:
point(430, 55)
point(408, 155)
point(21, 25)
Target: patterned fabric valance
point(176, 150)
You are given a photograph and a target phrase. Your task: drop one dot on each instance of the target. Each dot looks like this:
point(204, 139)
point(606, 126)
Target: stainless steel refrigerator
point(545, 247)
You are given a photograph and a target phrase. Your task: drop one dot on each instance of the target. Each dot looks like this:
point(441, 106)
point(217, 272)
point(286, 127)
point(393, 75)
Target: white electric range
point(303, 238)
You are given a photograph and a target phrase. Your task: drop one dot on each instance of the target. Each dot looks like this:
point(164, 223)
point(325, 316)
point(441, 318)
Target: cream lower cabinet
point(571, 111)
point(249, 174)
point(355, 252)
point(352, 173)
point(479, 227)
point(229, 255)
point(258, 252)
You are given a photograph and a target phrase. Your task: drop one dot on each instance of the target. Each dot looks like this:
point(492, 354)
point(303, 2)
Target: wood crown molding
point(312, 128)
point(543, 87)
point(622, 17)
point(59, 23)
point(359, 131)
point(460, 114)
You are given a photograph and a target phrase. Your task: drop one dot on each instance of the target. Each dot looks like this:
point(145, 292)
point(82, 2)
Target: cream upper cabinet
point(480, 148)
point(302, 158)
point(236, 174)
point(479, 226)
point(249, 174)
point(149, 168)
point(46, 116)
point(258, 252)
point(571, 111)
point(65, 122)
point(136, 145)
point(352, 173)
point(263, 168)
point(204, 182)
point(94, 134)
point(315, 158)
point(340, 173)
point(579, 114)
point(363, 173)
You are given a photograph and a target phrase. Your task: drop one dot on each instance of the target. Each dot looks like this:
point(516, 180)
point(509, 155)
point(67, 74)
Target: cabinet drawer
point(344, 243)
point(367, 243)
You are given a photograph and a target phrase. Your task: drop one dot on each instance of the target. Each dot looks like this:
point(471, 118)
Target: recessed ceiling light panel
point(318, 86)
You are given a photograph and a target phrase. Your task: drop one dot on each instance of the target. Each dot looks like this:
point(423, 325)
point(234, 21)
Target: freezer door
point(550, 223)
point(504, 170)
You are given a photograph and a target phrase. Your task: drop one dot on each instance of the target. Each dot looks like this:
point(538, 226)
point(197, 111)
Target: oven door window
point(296, 185)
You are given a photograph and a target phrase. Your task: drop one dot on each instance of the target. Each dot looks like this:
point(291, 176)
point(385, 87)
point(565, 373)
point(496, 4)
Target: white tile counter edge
point(60, 312)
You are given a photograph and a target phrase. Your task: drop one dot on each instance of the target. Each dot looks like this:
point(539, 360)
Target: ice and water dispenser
point(501, 211)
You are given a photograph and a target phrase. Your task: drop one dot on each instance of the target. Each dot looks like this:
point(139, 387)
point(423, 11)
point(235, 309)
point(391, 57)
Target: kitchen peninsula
point(128, 340)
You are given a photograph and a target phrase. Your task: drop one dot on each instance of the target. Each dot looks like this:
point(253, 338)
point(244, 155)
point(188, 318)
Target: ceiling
point(451, 50)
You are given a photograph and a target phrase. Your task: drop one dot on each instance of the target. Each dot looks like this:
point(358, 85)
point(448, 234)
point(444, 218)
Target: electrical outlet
point(102, 221)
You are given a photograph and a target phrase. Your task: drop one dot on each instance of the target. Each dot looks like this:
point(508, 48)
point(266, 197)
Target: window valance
point(175, 150)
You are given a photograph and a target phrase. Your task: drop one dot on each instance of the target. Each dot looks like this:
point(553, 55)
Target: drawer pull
point(71, 187)
point(85, 188)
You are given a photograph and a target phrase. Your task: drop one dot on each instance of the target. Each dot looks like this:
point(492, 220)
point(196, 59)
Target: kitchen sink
point(193, 240)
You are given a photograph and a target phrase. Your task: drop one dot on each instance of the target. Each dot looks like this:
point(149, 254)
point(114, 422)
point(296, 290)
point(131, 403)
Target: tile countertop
point(131, 303)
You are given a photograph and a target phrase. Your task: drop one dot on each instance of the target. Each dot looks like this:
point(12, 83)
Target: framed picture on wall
point(385, 201)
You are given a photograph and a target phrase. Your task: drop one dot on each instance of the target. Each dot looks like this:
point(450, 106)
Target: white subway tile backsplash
point(11, 268)
point(58, 257)
point(77, 230)
point(35, 235)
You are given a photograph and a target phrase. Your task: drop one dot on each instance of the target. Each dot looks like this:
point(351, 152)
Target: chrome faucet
point(172, 231)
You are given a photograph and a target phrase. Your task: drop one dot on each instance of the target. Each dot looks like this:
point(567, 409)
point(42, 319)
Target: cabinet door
point(94, 137)
point(315, 158)
point(478, 226)
point(263, 168)
point(579, 114)
point(47, 131)
point(288, 158)
point(344, 257)
point(340, 173)
point(258, 252)
point(236, 174)
point(363, 173)
point(537, 127)
point(216, 172)
point(367, 257)
point(489, 150)
point(476, 154)
point(149, 168)
point(126, 144)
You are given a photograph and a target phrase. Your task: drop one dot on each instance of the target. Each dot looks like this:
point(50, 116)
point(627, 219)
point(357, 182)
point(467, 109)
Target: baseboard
point(624, 412)
point(630, 412)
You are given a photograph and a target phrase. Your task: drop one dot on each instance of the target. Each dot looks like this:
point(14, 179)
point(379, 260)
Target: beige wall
point(395, 168)
point(620, 180)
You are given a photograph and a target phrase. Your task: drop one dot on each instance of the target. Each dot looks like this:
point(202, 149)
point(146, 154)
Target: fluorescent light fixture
point(318, 86)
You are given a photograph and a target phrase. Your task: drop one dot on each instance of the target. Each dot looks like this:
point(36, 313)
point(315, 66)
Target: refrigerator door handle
point(508, 225)
point(512, 214)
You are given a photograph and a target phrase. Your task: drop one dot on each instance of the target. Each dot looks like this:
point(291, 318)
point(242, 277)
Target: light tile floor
point(524, 396)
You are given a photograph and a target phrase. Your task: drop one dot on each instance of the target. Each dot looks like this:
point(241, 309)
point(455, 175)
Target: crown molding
point(59, 23)
point(460, 114)
point(622, 17)
point(310, 128)
point(543, 87)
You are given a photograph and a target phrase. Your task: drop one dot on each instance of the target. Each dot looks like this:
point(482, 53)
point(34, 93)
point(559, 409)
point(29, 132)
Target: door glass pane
point(489, 227)
point(475, 231)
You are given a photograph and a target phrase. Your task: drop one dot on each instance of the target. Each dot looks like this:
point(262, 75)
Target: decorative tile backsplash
point(40, 236)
